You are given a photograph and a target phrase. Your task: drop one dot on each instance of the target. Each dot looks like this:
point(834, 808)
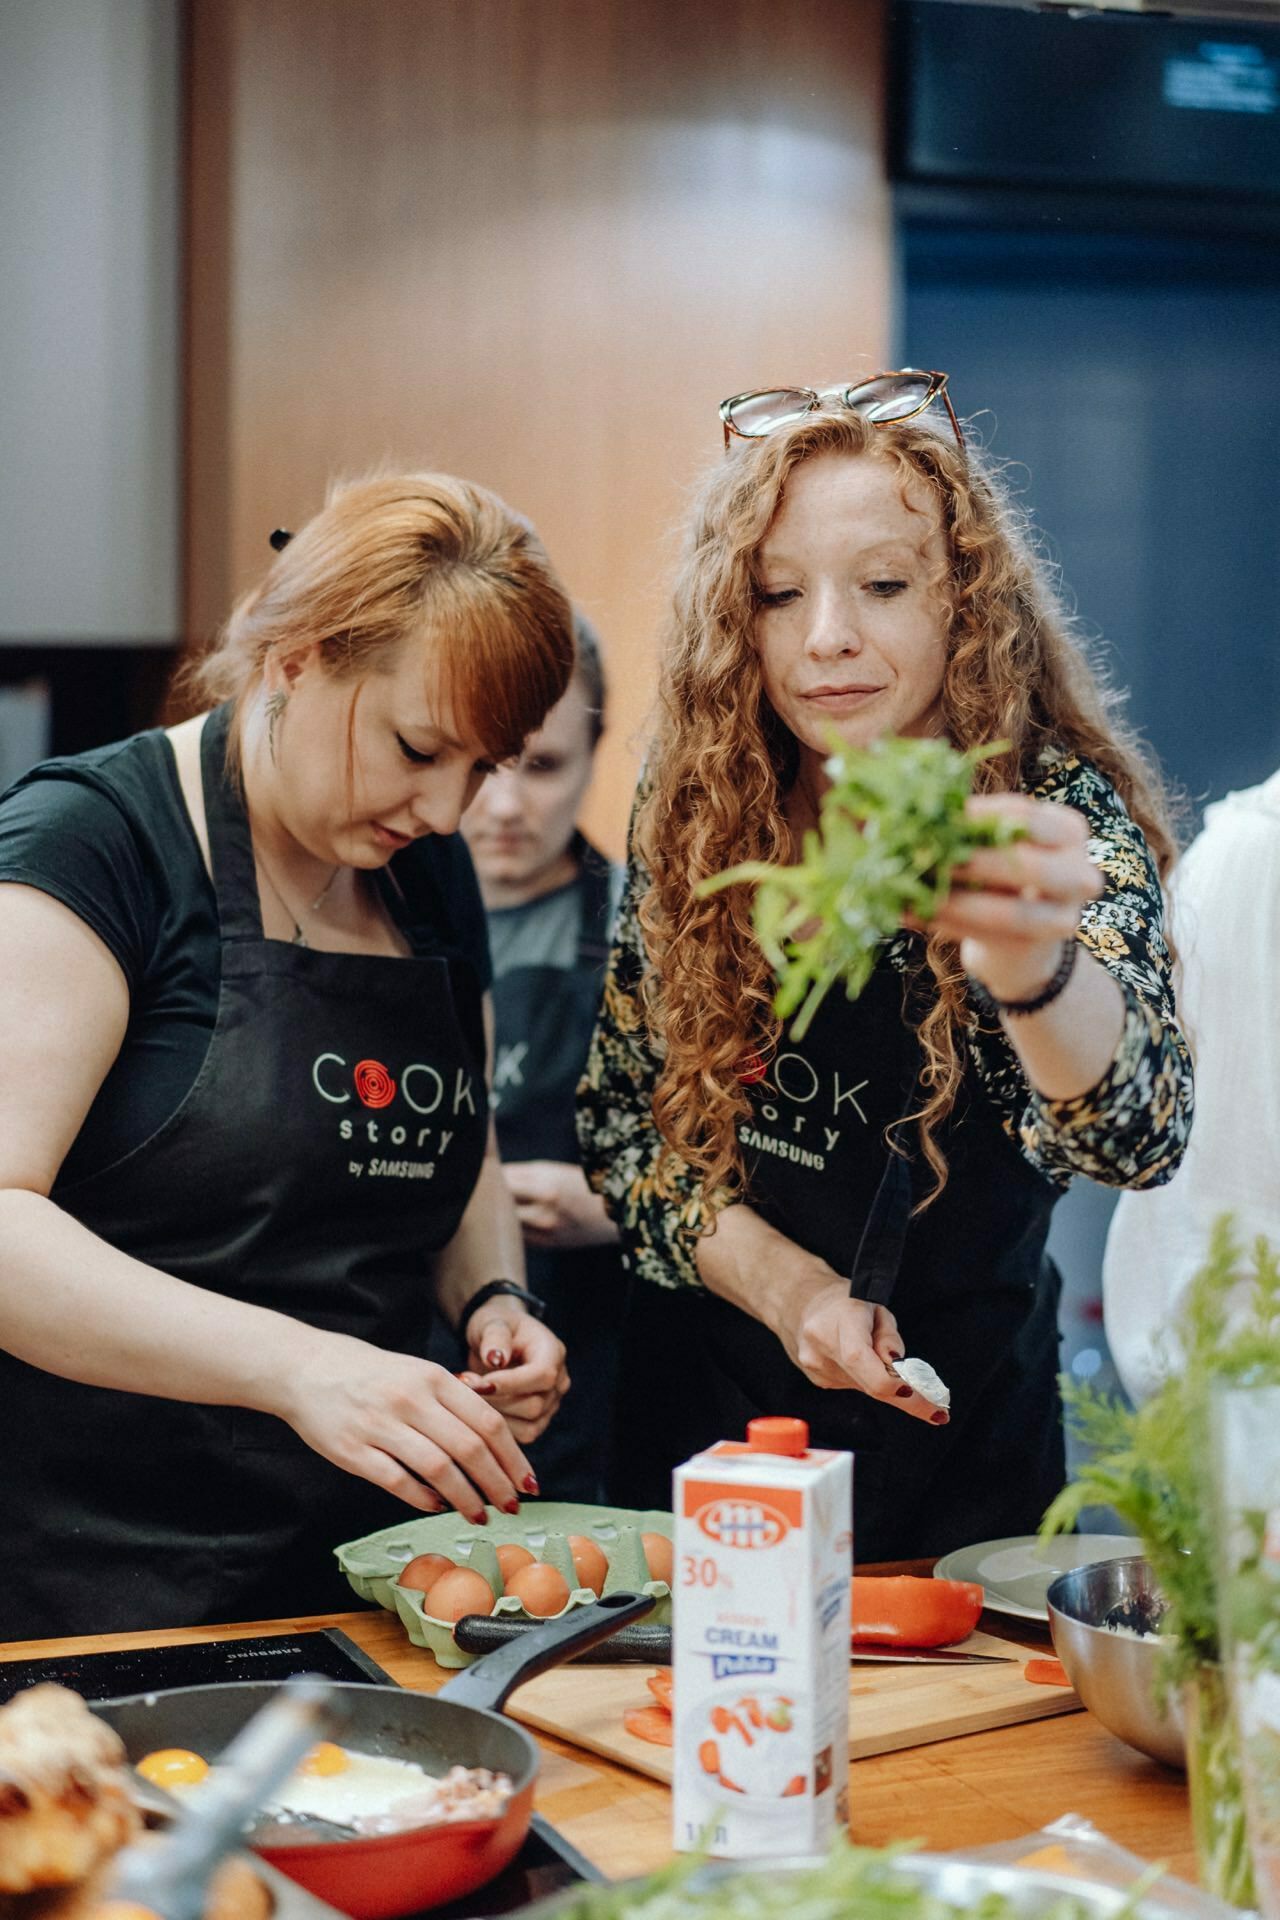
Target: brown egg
point(589, 1563)
point(461, 1591)
point(657, 1552)
point(510, 1558)
point(422, 1573)
point(540, 1589)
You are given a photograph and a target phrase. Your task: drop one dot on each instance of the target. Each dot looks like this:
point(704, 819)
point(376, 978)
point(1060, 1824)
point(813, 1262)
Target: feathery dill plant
point(1153, 1463)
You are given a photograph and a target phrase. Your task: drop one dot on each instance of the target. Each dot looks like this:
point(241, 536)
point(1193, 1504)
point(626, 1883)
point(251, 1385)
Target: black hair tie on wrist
point(538, 1308)
point(987, 1003)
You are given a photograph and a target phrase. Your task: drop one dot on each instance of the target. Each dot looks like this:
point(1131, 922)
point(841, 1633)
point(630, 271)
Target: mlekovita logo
point(742, 1523)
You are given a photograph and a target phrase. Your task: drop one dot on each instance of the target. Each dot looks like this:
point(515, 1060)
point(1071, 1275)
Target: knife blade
point(931, 1657)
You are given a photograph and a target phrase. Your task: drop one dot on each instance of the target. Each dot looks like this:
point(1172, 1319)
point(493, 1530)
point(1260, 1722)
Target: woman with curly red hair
point(816, 1210)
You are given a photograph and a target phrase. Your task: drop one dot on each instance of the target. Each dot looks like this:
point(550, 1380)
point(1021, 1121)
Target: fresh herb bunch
point(892, 830)
point(1153, 1463)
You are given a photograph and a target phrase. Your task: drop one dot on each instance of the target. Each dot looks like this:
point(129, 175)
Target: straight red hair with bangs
point(404, 558)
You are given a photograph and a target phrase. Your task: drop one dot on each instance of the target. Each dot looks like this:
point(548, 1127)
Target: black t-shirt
point(108, 834)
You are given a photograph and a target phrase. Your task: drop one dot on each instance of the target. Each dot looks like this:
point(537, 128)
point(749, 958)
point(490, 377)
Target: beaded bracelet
point(988, 1004)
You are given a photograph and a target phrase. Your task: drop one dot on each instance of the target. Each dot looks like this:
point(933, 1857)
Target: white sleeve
point(1225, 918)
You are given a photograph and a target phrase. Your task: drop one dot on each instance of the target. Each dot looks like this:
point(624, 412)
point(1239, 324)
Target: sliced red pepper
point(649, 1723)
point(1046, 1673)
point(660, 1686)
point(903, 1610)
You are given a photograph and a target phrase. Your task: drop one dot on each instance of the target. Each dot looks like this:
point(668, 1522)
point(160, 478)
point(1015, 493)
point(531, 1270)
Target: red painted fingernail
point(495, 1359)
point(485, 1386)
point(480, 1519)
point(529, 1483)
point(940, 1418)
point(904, 1392)
point(511, 1506)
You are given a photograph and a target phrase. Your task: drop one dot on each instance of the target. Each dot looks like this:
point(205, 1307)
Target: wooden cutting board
point(889, 1707)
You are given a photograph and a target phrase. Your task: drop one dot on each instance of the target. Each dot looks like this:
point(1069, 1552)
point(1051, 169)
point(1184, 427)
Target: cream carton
point(763, 1546)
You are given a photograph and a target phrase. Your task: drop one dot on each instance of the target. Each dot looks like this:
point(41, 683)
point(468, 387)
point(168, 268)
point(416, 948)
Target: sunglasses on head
point(884, 400)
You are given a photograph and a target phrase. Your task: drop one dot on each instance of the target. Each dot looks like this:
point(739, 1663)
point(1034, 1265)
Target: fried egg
point(334, 1783)
point(329, 1782)
point(175, 1768)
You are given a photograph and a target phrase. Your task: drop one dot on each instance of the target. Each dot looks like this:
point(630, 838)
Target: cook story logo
point(798, 1111)
point(439, 1104)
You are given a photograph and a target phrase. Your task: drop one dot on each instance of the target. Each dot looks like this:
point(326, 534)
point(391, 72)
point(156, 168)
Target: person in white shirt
point(1225, 919)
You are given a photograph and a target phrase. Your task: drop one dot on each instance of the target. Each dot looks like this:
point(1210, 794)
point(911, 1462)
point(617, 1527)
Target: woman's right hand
point(837, 1341)
point(405, 1424)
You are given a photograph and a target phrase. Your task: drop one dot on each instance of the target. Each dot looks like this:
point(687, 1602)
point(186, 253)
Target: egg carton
point(372, 1564)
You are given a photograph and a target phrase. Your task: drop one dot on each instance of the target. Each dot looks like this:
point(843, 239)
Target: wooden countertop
point(954, 1793)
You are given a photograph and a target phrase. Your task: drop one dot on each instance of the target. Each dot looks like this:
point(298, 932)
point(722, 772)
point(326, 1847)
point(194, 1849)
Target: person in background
point(245, 1147)
point(818, 1209)
point(550, 898)
point(1225, 917)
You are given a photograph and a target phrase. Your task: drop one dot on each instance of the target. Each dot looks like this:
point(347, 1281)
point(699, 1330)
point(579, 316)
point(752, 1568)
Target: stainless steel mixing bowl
point(1114, 1672)
point(1032, 1893)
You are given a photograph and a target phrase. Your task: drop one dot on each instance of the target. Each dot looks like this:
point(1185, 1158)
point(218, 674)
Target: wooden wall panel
point(532, 241)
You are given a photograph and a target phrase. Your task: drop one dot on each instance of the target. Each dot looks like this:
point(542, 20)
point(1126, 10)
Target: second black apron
point(967, 1280)
point(327, 1149)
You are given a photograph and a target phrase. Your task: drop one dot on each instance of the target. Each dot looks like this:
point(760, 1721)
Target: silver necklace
point(299, 938)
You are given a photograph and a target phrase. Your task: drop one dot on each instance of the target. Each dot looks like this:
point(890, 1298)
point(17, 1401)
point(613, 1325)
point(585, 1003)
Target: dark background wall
point(1121, 348)
point(1134, 380)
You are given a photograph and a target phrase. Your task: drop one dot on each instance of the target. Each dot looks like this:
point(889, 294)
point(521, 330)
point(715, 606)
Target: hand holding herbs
point(892, 831)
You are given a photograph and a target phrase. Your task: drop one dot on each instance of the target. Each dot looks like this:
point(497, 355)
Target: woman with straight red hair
point(246, 1149)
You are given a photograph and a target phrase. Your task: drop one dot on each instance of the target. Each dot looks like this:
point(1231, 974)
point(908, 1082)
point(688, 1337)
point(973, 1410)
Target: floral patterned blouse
point(1130, 1130)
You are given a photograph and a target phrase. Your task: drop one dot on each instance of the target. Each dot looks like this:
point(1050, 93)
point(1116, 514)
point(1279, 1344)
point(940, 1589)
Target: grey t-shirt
point(543, 932)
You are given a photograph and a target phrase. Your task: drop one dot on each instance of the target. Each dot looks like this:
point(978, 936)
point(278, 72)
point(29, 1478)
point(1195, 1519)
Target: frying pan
point(376, 1877)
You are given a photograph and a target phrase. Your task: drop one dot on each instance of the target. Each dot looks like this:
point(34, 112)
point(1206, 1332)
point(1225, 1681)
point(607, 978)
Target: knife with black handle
point(651, 1646)
point(478, 1633)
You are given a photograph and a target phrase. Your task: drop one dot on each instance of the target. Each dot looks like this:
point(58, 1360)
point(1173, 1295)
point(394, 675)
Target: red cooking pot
point(376, 1877)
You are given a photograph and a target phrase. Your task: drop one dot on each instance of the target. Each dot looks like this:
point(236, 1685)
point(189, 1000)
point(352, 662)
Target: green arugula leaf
point(892, 830)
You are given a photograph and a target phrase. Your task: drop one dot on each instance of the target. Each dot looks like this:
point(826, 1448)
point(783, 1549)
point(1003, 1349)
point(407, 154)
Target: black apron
point(967, 1280)
point(543, 1021)
point(327, 1149)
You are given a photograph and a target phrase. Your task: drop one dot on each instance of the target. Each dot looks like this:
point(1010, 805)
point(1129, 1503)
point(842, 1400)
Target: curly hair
point(722, 762)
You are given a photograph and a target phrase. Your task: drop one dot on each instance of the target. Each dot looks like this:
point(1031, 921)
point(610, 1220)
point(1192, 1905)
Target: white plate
point(1016, 1574)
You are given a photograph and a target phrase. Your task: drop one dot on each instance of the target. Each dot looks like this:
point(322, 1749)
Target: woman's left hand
point(1012, 907)
point(517, 1363)
point(556, 1207)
